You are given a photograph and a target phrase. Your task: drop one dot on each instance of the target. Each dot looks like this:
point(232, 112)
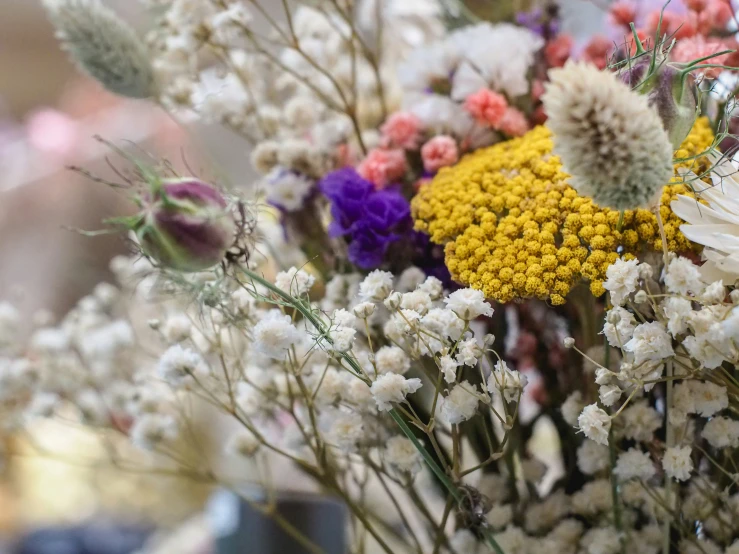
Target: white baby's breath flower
point(640, 421)
point(391, 387)
point(650, 342)
point(346, 430)
point(178, 364)
point(177, 328)
point(402, 455)
point(364, 310)
point(392, 359)
point(149, 430)
point(594, 423)
point(676, 311)
point(592, 457)
point(622, 280)
point(433, 287)
point(508, 382)
point(571, 408)
point(634, 464)
point(410, 279)
point(275, 334)
point(376, 286)
point(468, 304)
point(714, 293)
point(103, 46)
point(677, 463)
point(242, 443)
point(611, 142)
point(682, 277)
point(619, 327)
point(294, 281)
point(448, 366)
point(342, 339)
point(460, 404)
point(722, 432)
point(418, 301)
point(609, 394)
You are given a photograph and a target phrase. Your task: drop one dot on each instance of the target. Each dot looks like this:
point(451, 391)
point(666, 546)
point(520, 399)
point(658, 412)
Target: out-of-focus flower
point(103, 46)
point(622, 13)
point(611, 141)
point(597, 50)
point(557, 51)
point(486, 106)
point(513, 123)
point(439, 152)
point(383, 166)
point(690, 49)
point(402, 130)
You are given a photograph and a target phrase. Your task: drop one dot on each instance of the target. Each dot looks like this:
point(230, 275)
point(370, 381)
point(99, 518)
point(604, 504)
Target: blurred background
point(67, 503)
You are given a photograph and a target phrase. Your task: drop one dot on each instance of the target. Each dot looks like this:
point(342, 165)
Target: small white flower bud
point(488, 340)
point(154, 323)
point(613, 317)
point(568, 342)
point(734, 295)
point(641, 297)
point(364, 310)
point(392, 302)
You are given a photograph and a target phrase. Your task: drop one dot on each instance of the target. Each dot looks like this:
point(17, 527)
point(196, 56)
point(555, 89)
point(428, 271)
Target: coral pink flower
point(439, 152)
point(557, 51)
point(486, 106)
point(514, 123)
point(696, 5)
point(622, 13)
point(597, 51)
point(402, 130)
point(698, 47)
point(715, 16)
point(537, 89)
point(673, 24)
point(382, 166)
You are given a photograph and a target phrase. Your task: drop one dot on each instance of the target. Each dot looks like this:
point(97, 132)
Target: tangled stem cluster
point(514, 228)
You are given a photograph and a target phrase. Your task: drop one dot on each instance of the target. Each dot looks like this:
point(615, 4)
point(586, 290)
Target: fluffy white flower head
point(294, 281)
point(376, 286)
point(274, 334)
point(650, 341)
point(677, 463)
point(179, 363)
point(461, 403)
point(392, 387)
point(468, 304)
point(622, 279)
point(594, 423)
point(611, 142)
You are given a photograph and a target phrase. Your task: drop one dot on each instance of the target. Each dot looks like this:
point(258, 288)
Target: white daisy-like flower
point(611, 142)
point(716, 225)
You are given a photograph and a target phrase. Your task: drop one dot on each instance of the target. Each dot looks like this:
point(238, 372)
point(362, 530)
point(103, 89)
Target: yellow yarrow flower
point(513, 227)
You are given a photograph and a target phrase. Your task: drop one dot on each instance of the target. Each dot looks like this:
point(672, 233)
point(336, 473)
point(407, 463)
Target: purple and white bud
point(186, 225)
point(670, 90)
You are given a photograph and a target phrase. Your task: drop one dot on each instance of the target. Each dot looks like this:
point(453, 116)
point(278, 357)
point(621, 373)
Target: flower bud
point(670, 90)
point(185, 225)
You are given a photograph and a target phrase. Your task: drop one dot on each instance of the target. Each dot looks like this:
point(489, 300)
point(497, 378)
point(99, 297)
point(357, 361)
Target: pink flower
point(698, 47)
point(622, 13)
point(597, 51)
point(673, 24)
point(715, 16)
point(537, 89)
point(439, 152)
point(696, 5)
point(383, 166)
point(486, 106)
point(402, 130)
point(557, 51)
point(514, 123)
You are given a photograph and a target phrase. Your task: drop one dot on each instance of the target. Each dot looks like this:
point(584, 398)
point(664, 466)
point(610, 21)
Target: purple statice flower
point(371, 220)
point(543, 22)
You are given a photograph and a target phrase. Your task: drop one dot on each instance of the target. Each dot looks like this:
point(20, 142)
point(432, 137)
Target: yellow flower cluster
point(514, 228)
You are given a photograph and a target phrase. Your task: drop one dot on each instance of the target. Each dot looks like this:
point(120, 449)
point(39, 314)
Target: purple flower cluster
point(543, 22)
point(370, 219)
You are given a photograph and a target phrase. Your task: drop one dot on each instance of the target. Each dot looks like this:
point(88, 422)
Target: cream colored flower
point(716, 225)
point(611, 142)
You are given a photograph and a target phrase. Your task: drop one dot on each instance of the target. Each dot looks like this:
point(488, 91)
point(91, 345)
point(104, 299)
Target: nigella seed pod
point(670, 90)
point(185, 225)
